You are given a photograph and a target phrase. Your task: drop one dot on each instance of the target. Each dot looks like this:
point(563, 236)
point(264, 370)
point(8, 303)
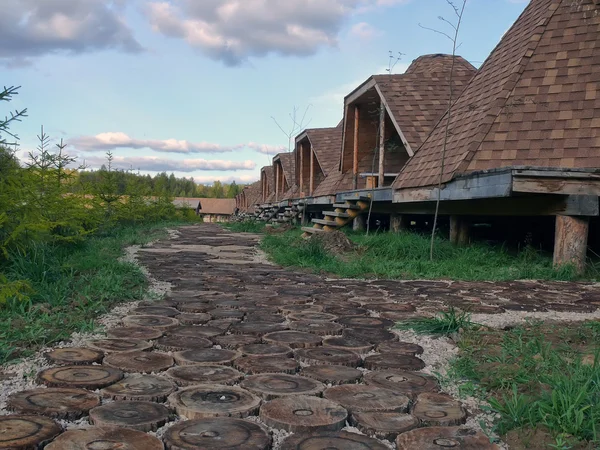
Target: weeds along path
point(239, 353)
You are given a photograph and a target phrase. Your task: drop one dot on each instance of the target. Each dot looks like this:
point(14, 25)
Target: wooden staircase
point(343, 214)
point(275, 213)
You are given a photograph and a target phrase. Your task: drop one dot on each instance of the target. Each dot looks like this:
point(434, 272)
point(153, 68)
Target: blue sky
point(191, 86)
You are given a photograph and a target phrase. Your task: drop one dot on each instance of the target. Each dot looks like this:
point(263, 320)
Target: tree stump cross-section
point(86, 377)
point(146, 388)
point(334, 375)
point(24, 432)
point(384, 425)
point(439, 410)
point(141, 416)
point(214, 400)
point(293, 339)
point(142, 362)
point(266, 350)
point(73, 356)
point(328, 355)
point(206, 356)
point(143, 333)
point(204, 374)
point(112, 438)
point(437, 438)
point(217, 433)
point(301, 413)
point(266, 364)
point(272, 385)
point(340, 440)
point(407, 383)
point(359, 397)
point(116, 345)
point(158, 322)
point(57, 403)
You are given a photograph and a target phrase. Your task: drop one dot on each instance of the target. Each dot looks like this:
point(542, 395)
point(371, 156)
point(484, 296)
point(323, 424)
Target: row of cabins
point(523, 140)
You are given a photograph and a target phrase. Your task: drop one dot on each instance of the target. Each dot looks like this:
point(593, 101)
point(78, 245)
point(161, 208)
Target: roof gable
point(327, 145)
point(535, 101)
point(288, 164)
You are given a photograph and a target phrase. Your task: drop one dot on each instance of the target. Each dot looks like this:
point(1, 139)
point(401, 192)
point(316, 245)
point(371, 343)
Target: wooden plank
point(355, 148)
point(582, 173)
point(570, 241)
point(312, 171)
point(302, 168)
point(548, 185)
point(381, 144)
point(524, 205)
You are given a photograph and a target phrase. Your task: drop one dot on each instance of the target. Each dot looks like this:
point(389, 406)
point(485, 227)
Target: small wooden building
point(284, 168)
point(316, 155)
point(248, 198)
point(267, 184)
point(216, 209)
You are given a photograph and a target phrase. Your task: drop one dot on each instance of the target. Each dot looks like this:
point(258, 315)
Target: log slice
point(300, 414)
point(24, 432)
point(57, 403)
point(217, 433)
point(147, 388)
point(360, 397)
point(112, 438)
point(214, 400)
point(141, 416)
point(86, 377)
point(74, 356)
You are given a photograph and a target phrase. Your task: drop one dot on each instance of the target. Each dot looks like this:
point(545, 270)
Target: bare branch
point(436, 31)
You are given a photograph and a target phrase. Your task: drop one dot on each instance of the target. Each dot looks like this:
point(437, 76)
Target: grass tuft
point(246, 226)
point(445, 323)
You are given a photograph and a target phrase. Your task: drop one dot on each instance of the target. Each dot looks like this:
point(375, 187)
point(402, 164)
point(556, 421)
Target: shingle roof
point(437, 63)
point(269, 174)
point(223, 206)
point(288, 164)
point(535, 101)
point(416, 99)
point(251, 195)
point(419, 98)
point(327, 145)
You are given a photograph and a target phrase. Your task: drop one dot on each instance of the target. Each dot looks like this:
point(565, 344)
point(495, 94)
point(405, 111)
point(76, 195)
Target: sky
point(194, 87)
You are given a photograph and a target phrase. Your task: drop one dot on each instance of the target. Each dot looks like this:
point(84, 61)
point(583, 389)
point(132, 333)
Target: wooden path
point(240, 348)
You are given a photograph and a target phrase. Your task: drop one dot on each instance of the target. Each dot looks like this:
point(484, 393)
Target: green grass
point(246, 226)
point(537, 375)
point(445, 323)
point(406, 256)
point(71, 287)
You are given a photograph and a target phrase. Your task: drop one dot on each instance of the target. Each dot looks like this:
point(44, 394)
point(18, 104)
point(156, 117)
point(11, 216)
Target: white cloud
point(364, 31)
point(30, 28)
point(113, 140)
point(234, 30)
point(155, 164)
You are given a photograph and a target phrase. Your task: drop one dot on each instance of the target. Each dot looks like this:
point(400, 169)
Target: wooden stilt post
point(570, 241)
point(359, 223)
point(463, 233)
point(301, 168)
point(454, 229)
point(381, 144)
point(355, 150)
point(397, 223)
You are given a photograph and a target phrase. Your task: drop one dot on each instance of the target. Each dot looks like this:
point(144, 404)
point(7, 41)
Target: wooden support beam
point(359, 223)
point(355, 150)
point(312, 171)
point(570, 241)
point(381, 144)
point(464, 233)
point(301, 165)
point(397, 223)
point(276, 182)
point(454, 227)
